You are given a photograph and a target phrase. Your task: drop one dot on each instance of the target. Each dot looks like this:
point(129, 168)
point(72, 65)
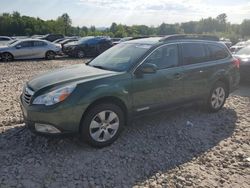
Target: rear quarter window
point(193, 53)
point(216, 52)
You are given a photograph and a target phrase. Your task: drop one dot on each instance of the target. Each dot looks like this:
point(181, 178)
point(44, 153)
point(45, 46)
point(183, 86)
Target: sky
point(102, 13)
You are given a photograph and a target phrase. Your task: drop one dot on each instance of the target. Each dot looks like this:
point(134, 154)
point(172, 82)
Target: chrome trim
point(27, 95)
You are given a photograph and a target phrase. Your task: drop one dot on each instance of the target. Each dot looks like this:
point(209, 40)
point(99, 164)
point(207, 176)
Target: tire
point(6, 57)
point(80, 54)
point(50, 55)
point(102, 125)
point(217, 97)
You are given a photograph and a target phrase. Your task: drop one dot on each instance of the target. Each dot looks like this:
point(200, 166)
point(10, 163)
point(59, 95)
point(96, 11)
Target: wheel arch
point(225, 80)
point(107, 99)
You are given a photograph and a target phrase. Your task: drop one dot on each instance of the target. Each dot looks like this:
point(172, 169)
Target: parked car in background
point(235, 48)
point(67, 40)
point(51, 37)
point(136, 77)
point(244, 56)
point(87, 47)
point(59, 40)
point(4, 40)
point(29, 49)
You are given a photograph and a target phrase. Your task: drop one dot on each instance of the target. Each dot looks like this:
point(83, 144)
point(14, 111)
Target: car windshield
point(12, 42)
point(120, 57)
point(244, 51)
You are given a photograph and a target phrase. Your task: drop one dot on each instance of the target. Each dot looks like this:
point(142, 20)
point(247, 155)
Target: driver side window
point(164, 57)
point(26, 44)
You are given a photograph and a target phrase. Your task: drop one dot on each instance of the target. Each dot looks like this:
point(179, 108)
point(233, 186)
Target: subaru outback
point(99, 98)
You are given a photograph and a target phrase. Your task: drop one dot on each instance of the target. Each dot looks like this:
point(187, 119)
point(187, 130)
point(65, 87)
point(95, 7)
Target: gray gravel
point(161, 150)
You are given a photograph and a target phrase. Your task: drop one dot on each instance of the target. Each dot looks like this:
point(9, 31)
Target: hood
point(72, 73)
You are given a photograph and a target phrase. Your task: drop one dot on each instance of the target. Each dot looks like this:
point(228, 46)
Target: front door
point(165, 87)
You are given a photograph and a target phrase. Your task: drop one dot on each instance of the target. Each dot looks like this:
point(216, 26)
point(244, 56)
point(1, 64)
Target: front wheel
point(102, 125)
point(6, 57)
point(50, 55)
point(80, 54)
point(217, 97)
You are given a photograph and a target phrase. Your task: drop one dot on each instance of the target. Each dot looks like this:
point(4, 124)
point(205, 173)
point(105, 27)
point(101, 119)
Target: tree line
point(15, 24)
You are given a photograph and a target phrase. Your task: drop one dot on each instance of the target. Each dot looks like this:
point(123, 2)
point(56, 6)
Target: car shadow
point(151, 144)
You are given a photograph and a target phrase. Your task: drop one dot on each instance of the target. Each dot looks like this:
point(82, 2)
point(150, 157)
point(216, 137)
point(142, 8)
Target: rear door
point(39, 49)
point(196, 71)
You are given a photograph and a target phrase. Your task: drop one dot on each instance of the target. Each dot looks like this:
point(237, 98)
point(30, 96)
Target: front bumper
point(64, 117)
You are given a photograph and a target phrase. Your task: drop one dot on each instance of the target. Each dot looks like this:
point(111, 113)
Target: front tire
point(217, 97)
point(50, 55)
point(102, 125)
point(6, 57)
point(80, 54)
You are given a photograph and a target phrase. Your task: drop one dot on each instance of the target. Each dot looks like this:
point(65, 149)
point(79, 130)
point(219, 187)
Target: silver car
point(29, 49)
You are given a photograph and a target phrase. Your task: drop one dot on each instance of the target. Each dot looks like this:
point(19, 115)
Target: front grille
point(27, 95)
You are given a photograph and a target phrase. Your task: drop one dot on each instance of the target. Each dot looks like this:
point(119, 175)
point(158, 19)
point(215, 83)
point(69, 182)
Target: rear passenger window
point(164, 57)
point(39, 43)
point(193, 53)
point(217, 52)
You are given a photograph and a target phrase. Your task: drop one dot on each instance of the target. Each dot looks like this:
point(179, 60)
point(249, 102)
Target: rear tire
point(102, 125)
point(50, 55)
point(217, 97)
point(6, 57)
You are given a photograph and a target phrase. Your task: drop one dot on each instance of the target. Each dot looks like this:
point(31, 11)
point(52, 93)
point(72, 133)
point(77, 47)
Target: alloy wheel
point(104, 126)
point(218, 97)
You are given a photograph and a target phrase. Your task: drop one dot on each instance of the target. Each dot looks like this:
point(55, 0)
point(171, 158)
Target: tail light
point(236, 63)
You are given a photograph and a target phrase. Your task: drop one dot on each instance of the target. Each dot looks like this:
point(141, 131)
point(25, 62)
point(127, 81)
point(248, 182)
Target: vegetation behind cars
point(16, 24)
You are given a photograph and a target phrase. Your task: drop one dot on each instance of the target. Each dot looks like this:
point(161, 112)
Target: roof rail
point(197, 37)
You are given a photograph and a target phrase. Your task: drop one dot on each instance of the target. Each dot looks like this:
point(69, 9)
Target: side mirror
point(147, 68)
point(18, 46)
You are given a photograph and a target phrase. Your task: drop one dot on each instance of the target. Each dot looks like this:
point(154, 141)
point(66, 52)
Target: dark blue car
point(87, 47)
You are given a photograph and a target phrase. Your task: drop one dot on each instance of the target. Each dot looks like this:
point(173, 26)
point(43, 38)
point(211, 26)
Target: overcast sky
point(149, 12)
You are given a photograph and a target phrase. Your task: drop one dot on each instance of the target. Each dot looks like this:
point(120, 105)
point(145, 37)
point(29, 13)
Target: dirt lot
point(158, 151)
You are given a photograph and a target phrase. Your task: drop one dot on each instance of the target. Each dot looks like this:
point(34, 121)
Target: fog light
point(45, 128)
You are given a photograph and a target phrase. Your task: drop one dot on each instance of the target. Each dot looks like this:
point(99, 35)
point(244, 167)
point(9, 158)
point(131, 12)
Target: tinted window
point(39, 43)
point(26, 44)
point(216, 52)
point(164, 57)
point(193, 53)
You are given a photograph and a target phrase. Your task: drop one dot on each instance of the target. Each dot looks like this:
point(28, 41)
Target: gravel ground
point(162, 150)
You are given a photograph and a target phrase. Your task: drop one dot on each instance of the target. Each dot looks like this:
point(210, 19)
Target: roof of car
point(171, 38)
point(150, 40)
point(31, 39)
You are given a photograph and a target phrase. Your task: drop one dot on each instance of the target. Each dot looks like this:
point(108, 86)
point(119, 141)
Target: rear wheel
point(50, 55)
point(102, 125)
point(217, 97)
point(6, 57)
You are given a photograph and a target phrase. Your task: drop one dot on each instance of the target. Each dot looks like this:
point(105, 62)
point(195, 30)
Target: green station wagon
point(136, 77)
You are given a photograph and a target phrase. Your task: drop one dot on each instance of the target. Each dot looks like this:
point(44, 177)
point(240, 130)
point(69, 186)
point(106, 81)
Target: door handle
point(178, 76)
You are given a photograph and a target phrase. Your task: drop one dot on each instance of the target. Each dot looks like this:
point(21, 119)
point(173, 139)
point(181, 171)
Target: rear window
point(39, 43)
point(216, 52)
point(193, 53)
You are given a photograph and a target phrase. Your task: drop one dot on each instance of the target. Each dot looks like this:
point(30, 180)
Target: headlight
point(55, 96)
